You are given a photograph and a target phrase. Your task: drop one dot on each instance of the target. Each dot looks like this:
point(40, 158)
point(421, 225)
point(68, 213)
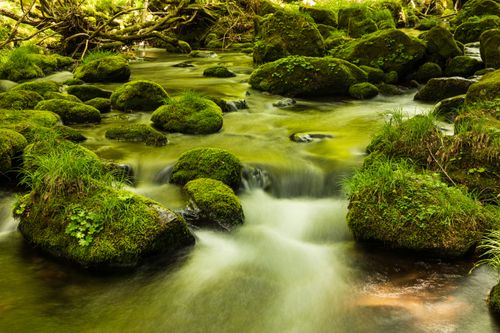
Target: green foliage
point(17, 64)
point(490, 248)
point(83, 225)
point(97, 54)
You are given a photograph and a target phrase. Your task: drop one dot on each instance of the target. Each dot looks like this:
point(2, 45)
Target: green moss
point(107, 69)
point(137, 133)
point(11, 146)
point(489, 42)
point(464, 66)
point(448, 108)
point(391, 203)
point(375, 75)
point(188, 113)
point(41, 87)
point(87, 92)
point(211, 163)
point(477, 8)
point(364, 90)
point(71, 112)
point(139, 95)
point(58, 95)
point(307, 76)
point(214, 203)
point(471, 30)
point(320, 15)
point(487, 89)
point(427, 23)
point(389, 50)
point(73, 82)
point(100, 103)
point(218, 71)
point(41, 118)
point(17, 64)
point(441, 88)
point(19, 99)
point(494, 300)
point(440, 42)
point(427, 71)
point(282, 34)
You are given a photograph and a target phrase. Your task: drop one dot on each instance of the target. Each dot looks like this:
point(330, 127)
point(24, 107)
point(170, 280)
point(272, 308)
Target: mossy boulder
point(427, 71)
point(392, 204)
point(188, 113)
point(471, 30)
point(494, 300)
point(50, 62)
point(389, 50)
point(307, 76)
point(320, 15)
point(71, 112)
point(100, 103)
point(449, 108)
point(19, 99)
point(41, 87)
point(282, 34)
point(464, 66)
point(58, 95)
point(360, 28)
point(11, 147)
point(364, 90)
point(87, 92)
point(441, 45)
point(349, 14)
point(106, 69)
point(375, 75)
point(427, 23)
point(137, 133)
point(41, 118)
point(138, 95)
point(490, 48)
point(213, 204)
point(477, 8)
point(213, 163)
point(441, 88)
point(487, 89)
point(218, 71)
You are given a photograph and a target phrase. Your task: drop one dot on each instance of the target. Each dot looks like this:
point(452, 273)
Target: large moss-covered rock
point(375, 75)
point(389, 50)
point(218, 71)
point(464, 66)
point(211, 163)
point(282, 34)
point(11, 146)
point(41, 118)
point(471, 30)
point(19, 99)
point(189, 113)
point(441, 88)
point(58, 95)
point(139, 95)
point(427, 71)
point(212, 203)
point(448, 108)
point(307, 76)
point(107, 69)
point(348, 15)
point(390, 203)
point(359, 20)
point(363, 90)
point(71, 112)
point(137, 133)
point(494, 300)
point(487, 89)
point(100, 103)
point(320, 15)
point(87, 92)
point(490, 48)
point(477, 8)
point(42, 87)
point(440, 44)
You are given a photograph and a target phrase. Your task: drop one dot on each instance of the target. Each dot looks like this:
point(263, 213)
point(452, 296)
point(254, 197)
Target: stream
point(292, 267)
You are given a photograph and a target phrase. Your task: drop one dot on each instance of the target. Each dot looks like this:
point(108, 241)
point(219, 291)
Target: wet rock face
point(489, 48)
point(441, 88)
point(309, 137)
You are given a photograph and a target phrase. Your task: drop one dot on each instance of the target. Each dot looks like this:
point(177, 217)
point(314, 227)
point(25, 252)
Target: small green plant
point(97, 54)
point(490, 246)
point(83, 225)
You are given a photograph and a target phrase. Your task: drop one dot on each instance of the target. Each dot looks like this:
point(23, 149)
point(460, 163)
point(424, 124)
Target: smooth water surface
point(292, 267)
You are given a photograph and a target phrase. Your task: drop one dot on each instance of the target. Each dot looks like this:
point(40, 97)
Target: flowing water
point(292, 267)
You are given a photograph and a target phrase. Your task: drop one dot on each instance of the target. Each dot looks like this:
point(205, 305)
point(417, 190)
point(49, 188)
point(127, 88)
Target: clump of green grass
point(18, 63)
point(490, 248)
point(97, 54)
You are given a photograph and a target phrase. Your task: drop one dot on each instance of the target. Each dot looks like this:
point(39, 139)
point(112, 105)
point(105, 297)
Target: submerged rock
point(309, 137)
point(138, 95)
point(211, 163)
point(218, 71)
point(285, 103)
point(213, 204)
point(107, 69)
point(137, 133)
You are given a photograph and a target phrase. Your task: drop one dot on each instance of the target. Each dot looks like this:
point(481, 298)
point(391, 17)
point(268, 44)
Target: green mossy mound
point(320, 15)
point(490, 52)
point(282, 34)
point(307, 76)
point(363, 90)
point(42, 87)
point(41, 118)
point(100, 103)
point(218, 71)
point(76, 211)
point(189, 113)
point(19, 99)
point(471, 30)
point(87, 92)
point(487, 89)
point(389, 50)
point(106, 69)
point(213, 163)
point(11, 146)
point(427, 71)
point(375, 75)
point(139, 95)
point(440, 45)
point(427, 23)
point(137, 133)
point(494, 300)
point(213, 203)
point(58, 95)
point(392, 204)
point(441, 88)
point(477, 8)
point(464, 66)
point(356, 20)
point(71, 112)
point(448, 108)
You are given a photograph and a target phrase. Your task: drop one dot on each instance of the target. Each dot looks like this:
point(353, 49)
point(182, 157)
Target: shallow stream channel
point(291, 267)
